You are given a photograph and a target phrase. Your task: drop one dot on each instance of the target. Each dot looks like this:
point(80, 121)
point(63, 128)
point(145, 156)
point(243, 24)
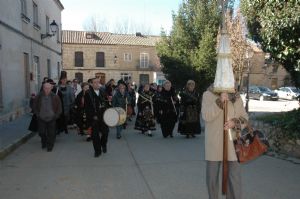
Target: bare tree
point(96, 24)
point(239, 45)
point(142, 28)
point(122, 26)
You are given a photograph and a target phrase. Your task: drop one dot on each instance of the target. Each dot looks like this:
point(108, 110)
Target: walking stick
point(225, 152)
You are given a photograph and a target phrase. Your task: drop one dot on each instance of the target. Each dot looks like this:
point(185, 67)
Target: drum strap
point(126, 103)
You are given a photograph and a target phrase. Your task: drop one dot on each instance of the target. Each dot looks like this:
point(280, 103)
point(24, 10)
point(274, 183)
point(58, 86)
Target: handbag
point(250, 145)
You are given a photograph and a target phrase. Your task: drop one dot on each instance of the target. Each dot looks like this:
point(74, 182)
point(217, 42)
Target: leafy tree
point(276, 25)
point(189, 52)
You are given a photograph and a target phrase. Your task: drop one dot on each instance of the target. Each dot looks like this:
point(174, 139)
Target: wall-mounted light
point(53, 28)
point(115, 59)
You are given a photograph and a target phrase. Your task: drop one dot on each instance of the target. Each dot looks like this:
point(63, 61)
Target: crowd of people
point(57, 107)
point(68, 104)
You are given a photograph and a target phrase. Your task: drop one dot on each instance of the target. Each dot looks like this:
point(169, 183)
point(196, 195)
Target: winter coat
point(212, 114)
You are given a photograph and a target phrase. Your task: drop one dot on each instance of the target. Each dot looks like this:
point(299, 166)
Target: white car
point(289, 93)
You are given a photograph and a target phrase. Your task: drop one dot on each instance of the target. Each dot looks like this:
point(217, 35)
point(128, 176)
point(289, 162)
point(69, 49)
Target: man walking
point(47, 107)
point(95, 104)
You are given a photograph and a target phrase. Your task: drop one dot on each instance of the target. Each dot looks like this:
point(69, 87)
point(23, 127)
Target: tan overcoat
point(213, 117)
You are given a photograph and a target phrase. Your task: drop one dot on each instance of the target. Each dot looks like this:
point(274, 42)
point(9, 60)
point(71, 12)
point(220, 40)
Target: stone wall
point(279, 143)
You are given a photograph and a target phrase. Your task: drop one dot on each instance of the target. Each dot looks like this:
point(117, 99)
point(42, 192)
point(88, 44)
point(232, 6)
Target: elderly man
point(47, 107)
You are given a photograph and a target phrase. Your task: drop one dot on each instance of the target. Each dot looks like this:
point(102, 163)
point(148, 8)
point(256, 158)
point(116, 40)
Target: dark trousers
point(167, 127)
point(47, 131)
point(99, 137)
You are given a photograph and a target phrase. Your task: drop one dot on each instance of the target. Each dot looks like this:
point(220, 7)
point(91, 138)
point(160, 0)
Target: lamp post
point(248, 56)
point(115, 59)
point(53, 28)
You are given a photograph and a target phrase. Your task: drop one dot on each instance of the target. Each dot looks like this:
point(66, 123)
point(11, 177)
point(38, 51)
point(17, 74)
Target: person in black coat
point(33, 126)
point(145, 121)
point(167, 110)
point(80, 114)
point(190, 108)
point(95, 104)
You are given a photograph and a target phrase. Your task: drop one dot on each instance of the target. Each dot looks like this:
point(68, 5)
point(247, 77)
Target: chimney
point(138, 34)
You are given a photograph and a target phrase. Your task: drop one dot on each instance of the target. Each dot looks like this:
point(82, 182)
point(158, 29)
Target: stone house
point(111, 56)
point(264, 72)
point(29, 50)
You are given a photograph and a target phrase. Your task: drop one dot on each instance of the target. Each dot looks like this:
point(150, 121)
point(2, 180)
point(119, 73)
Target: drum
point(114, 116)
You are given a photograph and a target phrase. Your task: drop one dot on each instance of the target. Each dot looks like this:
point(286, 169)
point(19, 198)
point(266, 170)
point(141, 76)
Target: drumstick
point(173, 105)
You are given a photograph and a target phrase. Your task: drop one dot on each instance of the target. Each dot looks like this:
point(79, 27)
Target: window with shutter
point(100, 62)
point(78, 59)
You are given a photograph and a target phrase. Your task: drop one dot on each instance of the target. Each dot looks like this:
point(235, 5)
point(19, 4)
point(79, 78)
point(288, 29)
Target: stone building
point(29, 50)
point(111, 56)
point(264, 72)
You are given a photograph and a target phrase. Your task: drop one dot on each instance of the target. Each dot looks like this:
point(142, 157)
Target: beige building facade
point(111, 56)
point(264, 72)
point(28, 50)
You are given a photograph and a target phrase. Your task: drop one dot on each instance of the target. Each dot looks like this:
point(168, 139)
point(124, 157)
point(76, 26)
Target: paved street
point(136, 166)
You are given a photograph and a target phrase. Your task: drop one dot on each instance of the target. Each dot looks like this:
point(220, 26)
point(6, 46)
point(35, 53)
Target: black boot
point(97, 154)
point(104, 149)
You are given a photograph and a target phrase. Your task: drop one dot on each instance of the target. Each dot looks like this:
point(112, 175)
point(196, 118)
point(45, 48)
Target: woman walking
point(145, 121)
point(120, 99)
point(190, 108)
point(167, 111)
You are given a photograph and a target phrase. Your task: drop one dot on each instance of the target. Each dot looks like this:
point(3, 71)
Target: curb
point(10, 148)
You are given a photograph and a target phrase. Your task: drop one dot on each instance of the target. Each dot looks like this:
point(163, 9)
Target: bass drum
point(114, 116)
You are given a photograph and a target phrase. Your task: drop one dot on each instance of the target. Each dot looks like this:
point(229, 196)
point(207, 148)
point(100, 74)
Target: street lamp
point(115, 59)
point(248, 55)
point(53, 28)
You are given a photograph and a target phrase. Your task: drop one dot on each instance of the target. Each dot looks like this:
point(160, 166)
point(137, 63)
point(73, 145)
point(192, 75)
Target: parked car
point(262, 93)
point(289, 93)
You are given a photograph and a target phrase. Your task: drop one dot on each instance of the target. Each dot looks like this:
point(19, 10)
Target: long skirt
point(167, 122)
point(145, 121)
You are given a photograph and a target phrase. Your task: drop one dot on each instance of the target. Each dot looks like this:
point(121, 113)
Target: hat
point(224, 78)
point(121, 81)
point(50, 81)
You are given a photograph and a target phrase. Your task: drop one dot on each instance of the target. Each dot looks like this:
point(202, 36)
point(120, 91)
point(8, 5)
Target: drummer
point(120, 99)
point(95, 105)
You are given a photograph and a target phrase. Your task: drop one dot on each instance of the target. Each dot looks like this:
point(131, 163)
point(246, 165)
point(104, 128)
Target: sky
point(143, 15)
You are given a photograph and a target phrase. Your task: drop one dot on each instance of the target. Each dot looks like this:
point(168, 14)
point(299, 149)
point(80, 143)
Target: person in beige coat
point(212, 114)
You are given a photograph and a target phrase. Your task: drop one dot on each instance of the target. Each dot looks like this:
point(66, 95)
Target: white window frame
point(49, 71)
point(24, 7)
point(47, 24)
point(58, 69)
point(126, 76)
point(58, 35)
point(127, 57)
point(144, 60)
point(35, 14)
